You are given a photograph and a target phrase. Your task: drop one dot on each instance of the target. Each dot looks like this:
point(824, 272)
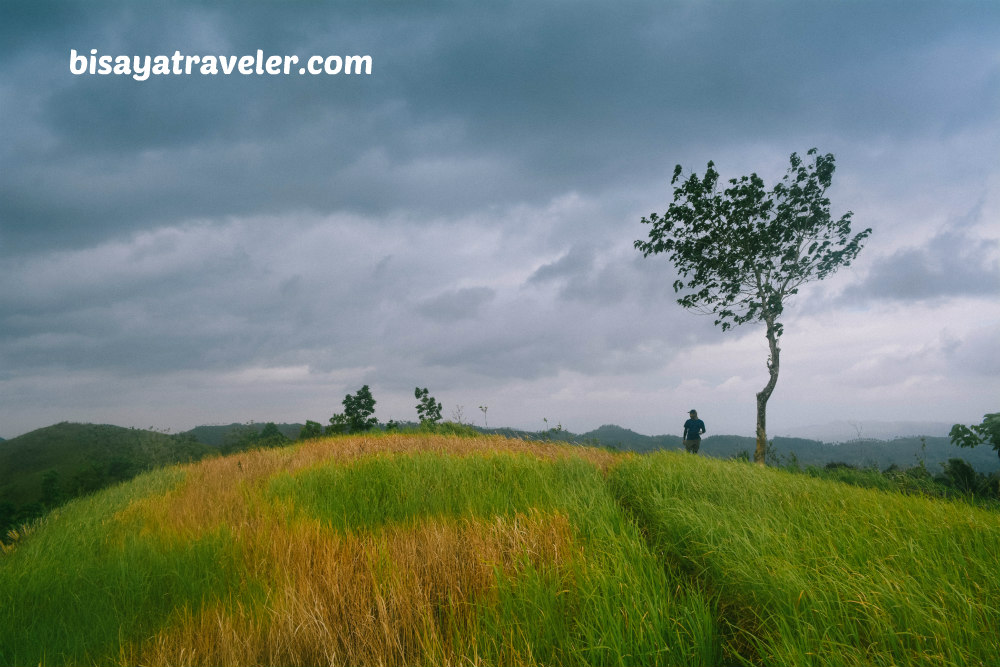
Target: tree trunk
point(765, 393)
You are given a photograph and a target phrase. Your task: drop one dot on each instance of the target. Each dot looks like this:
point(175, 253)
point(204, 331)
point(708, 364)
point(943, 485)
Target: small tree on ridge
point(357, 414)
point(428, 409)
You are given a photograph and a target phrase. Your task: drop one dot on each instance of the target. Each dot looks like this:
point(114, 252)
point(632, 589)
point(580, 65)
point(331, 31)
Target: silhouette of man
point(693, 428)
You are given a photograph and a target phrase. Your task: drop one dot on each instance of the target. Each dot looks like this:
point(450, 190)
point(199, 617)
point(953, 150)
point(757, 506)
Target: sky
point(197, 249)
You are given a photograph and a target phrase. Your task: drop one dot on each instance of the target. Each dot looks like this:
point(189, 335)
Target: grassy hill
point(900, 452)
point(81, 458)
point(426, 549)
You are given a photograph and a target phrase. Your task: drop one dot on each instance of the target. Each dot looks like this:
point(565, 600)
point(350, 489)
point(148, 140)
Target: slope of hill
point(424, 549)
point(80, 458)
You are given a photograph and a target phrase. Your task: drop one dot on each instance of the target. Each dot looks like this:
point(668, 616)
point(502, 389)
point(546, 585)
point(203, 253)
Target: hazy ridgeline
point(424, 549)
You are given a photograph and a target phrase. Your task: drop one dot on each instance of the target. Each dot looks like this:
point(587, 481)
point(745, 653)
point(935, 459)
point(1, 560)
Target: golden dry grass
point(398, 595)
point(218, 491)
point(402, 595)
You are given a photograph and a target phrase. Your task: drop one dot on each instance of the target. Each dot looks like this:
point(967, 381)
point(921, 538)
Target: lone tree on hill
point(742, 252)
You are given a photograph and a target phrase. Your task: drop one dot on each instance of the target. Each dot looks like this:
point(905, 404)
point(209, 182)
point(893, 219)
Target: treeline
point(956, 480)
point(358, 416)
point(957, 477)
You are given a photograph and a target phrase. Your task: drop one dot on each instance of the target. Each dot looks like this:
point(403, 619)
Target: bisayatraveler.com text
point(141, 68)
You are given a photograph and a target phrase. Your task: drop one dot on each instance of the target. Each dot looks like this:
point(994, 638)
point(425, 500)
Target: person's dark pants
point(692, 445)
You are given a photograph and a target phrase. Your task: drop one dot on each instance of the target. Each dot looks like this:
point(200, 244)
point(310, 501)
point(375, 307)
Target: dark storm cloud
point(584, 277)
point(951, 264)
point(457, 304)
point(469, 105)
point(579, 261)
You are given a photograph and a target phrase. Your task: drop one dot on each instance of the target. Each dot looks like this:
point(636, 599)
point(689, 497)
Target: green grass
point(615, 604)
point(809, 572)
point(382, 490)
point(86, 579)
point(671, 559)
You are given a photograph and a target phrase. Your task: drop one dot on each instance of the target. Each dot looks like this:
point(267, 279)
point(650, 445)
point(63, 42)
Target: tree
point(7, 514)
point(240, 438)
point(357, 415)
point(743, 252)
point(962, 477)
point(428, 409)
point(271, 436)
point(988, 431)
point(311, 430)
point(338, 424)
point(121, 468)
point(52, 494)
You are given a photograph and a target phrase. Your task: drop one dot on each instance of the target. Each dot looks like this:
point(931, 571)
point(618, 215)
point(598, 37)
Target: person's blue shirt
point(693, 428)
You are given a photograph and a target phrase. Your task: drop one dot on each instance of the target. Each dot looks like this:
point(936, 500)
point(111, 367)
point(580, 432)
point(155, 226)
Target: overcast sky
point(210, 249)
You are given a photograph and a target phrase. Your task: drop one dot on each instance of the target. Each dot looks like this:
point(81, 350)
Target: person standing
point(693, 428)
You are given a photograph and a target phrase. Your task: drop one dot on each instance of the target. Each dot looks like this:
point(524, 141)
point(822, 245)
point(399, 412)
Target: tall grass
point(812, 573)
point(499, 558)
point(427, 549)
point(385, 550)
point(83, 581)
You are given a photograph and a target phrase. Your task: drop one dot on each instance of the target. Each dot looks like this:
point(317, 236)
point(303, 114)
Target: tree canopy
point(987, 431)
point(357, 415)
point(743, 251)
point(428, 409)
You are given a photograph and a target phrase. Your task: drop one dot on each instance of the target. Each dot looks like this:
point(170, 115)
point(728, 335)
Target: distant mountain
point(846, 430)
point(216, 435)
point(617, 437)
point(901, 452)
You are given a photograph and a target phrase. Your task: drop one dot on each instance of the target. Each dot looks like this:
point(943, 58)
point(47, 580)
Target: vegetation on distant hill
point(216, 436)
point(44, 468)
point(933, 453)
point(425, 549)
